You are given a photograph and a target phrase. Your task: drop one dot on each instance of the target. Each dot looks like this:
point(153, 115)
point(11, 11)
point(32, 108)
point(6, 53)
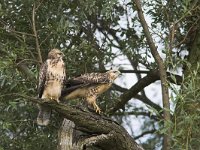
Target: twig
point(39, 4)
point(187, 34)
point(144, 133)
point(134, 71)
point(135, 113)
point(45, 38)
point(35, 34)
point(17, 32)
point(163, 75)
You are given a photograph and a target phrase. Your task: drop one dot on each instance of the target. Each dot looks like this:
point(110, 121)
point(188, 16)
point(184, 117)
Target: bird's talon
point(98, 110)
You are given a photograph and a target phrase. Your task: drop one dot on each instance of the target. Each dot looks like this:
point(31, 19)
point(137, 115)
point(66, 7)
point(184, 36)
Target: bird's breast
point(52, 90)
point(103, 87)
point(56, 71)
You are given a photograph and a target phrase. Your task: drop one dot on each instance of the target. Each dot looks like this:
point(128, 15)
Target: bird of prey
point(89, 86)
point(51, 79)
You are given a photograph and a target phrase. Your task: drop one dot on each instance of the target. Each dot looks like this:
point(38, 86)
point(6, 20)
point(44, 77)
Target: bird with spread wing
point(89, 86)
point(51, 78)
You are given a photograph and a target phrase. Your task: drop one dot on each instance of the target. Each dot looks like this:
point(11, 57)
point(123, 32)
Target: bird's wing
point(93, 78)
point(88, 79)
point(42, 79)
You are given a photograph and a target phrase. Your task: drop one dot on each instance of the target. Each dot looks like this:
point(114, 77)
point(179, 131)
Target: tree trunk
point(65, 136)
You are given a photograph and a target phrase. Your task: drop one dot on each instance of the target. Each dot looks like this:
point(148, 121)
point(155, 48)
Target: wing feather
point(42, 79)
point(93, 78)
point(88, 79)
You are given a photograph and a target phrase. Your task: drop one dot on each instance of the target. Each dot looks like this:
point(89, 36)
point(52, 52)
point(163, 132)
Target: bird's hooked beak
point(120, 74)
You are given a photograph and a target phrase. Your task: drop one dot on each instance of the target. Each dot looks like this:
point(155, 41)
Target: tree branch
point(93, 123)
point(151, 77)
point(134, 71)
point(26, 71)
point(35, 34)
point(135, 113)
point(163, 75)
point(144, 133)
point(141, 98)
point(98, 140)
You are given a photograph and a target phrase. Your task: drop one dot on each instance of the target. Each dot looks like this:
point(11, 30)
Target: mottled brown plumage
point(90, 86)
point(51, 78)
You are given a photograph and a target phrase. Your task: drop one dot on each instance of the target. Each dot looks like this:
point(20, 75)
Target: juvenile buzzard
point(90, 86)
point(51, 78)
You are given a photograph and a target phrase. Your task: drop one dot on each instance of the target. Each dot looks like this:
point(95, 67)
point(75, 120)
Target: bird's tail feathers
point(44, 115)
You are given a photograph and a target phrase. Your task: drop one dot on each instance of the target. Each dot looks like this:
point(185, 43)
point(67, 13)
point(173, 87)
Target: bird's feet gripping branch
point(92, 101)
point(96, 107)
point(55, 99)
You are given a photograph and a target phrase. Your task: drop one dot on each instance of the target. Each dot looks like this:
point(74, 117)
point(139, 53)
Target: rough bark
point(97, 131)
point(65, 136)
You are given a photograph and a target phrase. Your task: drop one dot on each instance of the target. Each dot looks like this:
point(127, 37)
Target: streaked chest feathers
point(55, 77)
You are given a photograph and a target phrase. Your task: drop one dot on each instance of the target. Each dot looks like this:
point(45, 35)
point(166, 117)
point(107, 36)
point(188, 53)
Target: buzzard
point(89, 86)
point(51, 79)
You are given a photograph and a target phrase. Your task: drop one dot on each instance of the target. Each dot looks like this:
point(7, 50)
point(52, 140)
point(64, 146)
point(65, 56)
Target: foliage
point(93, 35)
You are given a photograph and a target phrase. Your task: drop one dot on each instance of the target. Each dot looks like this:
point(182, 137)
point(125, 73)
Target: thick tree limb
point(151, 77)
point(139, 97)
point(163, 75)
point(26, 71)
point(106, 130)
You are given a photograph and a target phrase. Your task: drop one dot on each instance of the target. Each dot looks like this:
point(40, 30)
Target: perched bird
point(89, 86)
point(51, 79)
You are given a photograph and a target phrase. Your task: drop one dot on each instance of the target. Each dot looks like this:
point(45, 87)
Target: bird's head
point(113, 74)
point(55, 54)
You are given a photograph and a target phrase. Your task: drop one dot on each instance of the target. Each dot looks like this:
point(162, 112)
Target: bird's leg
point(96, 107)
point(92, 100)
